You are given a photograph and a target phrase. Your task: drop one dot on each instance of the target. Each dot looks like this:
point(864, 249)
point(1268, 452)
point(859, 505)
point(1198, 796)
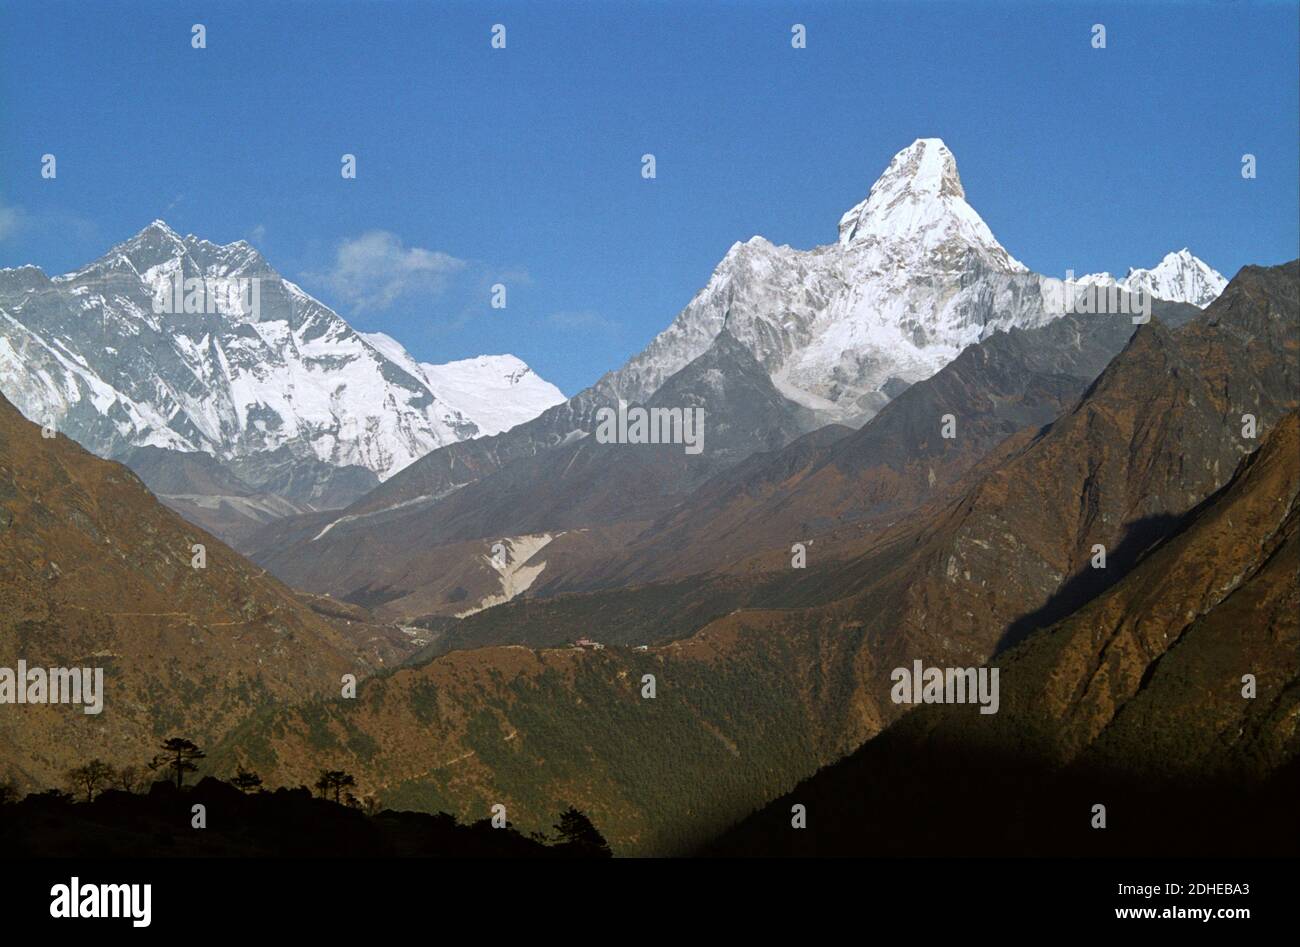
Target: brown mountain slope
point(1135, 702)
point(94, 572)
point(760, 697)
point(733, 723)
point(1247, 343)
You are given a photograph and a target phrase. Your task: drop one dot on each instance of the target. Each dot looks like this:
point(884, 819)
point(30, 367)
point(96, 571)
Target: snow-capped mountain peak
point(915, 277)
point(159, 226)
point(497, 391)
point(919, 176)
point(1179, 277)
point(917, 209)
point(93, 353)
point(158, 253)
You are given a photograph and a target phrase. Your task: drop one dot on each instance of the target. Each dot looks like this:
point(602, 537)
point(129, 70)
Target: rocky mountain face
point(178, 343)
point(1171, 695)
point(94, 572)
point(411, 556)
point(209, 495)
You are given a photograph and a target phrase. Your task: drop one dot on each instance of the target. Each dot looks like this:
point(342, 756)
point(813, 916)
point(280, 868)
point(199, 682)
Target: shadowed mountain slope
point(207, 493)
point(1137, 702)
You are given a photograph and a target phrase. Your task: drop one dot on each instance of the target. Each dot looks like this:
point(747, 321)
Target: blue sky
point(523, 166)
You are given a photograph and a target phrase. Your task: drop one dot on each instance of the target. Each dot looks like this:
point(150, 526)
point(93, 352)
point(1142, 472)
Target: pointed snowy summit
point(160, 225)
point(1179, 277)
point(915, 277)
point(916, 212)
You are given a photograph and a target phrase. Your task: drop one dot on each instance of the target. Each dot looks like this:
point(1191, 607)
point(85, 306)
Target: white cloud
point(375, 270)
point(15, 220)
point(10, 219)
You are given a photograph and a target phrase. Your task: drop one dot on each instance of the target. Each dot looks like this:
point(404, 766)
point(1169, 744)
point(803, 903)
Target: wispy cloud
point(375, 270)
point(15, 220)
point(10, 221)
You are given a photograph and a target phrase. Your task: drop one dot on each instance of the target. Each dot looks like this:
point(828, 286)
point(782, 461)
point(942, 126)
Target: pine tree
point(579, 835)
point(178, 755)
point(336, 780)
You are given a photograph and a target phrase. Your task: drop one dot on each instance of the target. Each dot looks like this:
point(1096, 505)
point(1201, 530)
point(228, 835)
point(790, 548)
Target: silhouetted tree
point(336, 780)
point(371, 804)
point(577, 832)
point(128, 778)
point(245, 781)
point(89, 778)
point(178, 755)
